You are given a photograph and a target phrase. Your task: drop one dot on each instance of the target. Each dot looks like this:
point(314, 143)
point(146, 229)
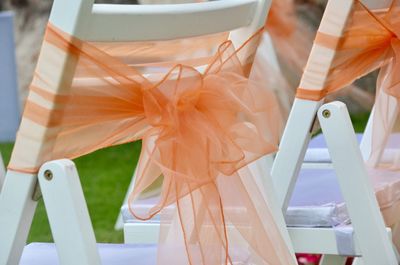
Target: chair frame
point(58, 180)
point(372, 238)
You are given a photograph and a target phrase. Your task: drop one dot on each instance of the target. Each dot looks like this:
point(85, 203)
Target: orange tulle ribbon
point(292, 38)
point(200, 130)
point(370, 41)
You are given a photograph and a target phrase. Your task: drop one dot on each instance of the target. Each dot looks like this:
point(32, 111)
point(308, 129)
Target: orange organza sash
point(292, 38)
point(283, 29)
point(202, 121)
point(370, 41)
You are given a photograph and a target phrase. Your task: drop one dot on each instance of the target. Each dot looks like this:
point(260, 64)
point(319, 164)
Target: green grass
point(105, 176)
point(359, 121)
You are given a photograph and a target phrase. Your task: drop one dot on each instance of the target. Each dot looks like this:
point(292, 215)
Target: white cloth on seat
point(317, 200)
point(110, 254)
point(316, 188)
point(317, 151)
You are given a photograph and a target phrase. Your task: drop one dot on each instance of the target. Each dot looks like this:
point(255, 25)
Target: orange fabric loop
point(309, 94)
point(200, 130)
point(285, 29)
point(328, 41)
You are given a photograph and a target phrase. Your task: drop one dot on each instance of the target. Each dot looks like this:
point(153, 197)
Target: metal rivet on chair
point(326, 113)
point(48, 175)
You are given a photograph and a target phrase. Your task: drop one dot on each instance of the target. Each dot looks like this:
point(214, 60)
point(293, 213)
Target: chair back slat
point(110, 22)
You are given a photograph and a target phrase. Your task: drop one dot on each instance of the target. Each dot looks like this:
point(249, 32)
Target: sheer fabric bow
point(200, 131)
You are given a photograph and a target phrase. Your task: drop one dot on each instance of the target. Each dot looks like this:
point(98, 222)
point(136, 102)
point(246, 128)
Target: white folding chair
point(58, 180)
point(368, 236)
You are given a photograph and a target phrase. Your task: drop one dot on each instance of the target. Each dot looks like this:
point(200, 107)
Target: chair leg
point(370, 230)
point(333, 260)
point(119, 224)
point(68, 214)
point(16, 213)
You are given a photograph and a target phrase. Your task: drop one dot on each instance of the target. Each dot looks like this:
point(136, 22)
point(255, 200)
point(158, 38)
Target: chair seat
point(317, 151)
point(318, 202)
point(110, 254)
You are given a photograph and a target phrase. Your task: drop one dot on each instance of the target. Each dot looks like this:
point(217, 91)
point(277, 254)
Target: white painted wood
point(354, 182)
point(16, 205)
point(16, 212)
point(297, 132)
point(366, 140)
point(292, 149)
point(358, 261)
point(137, 233)
point(269, 54)
point(304, 240)
point(107, 22)
point(68, 214)
point(119, 224)
point(71, 15)
point(332, 260)
point(316, 240)
point(260, 169)
point(310, 165)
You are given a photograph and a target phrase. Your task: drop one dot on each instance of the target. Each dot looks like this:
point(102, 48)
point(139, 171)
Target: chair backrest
point(119, 23)
point(303, 114)
point(108, 22)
